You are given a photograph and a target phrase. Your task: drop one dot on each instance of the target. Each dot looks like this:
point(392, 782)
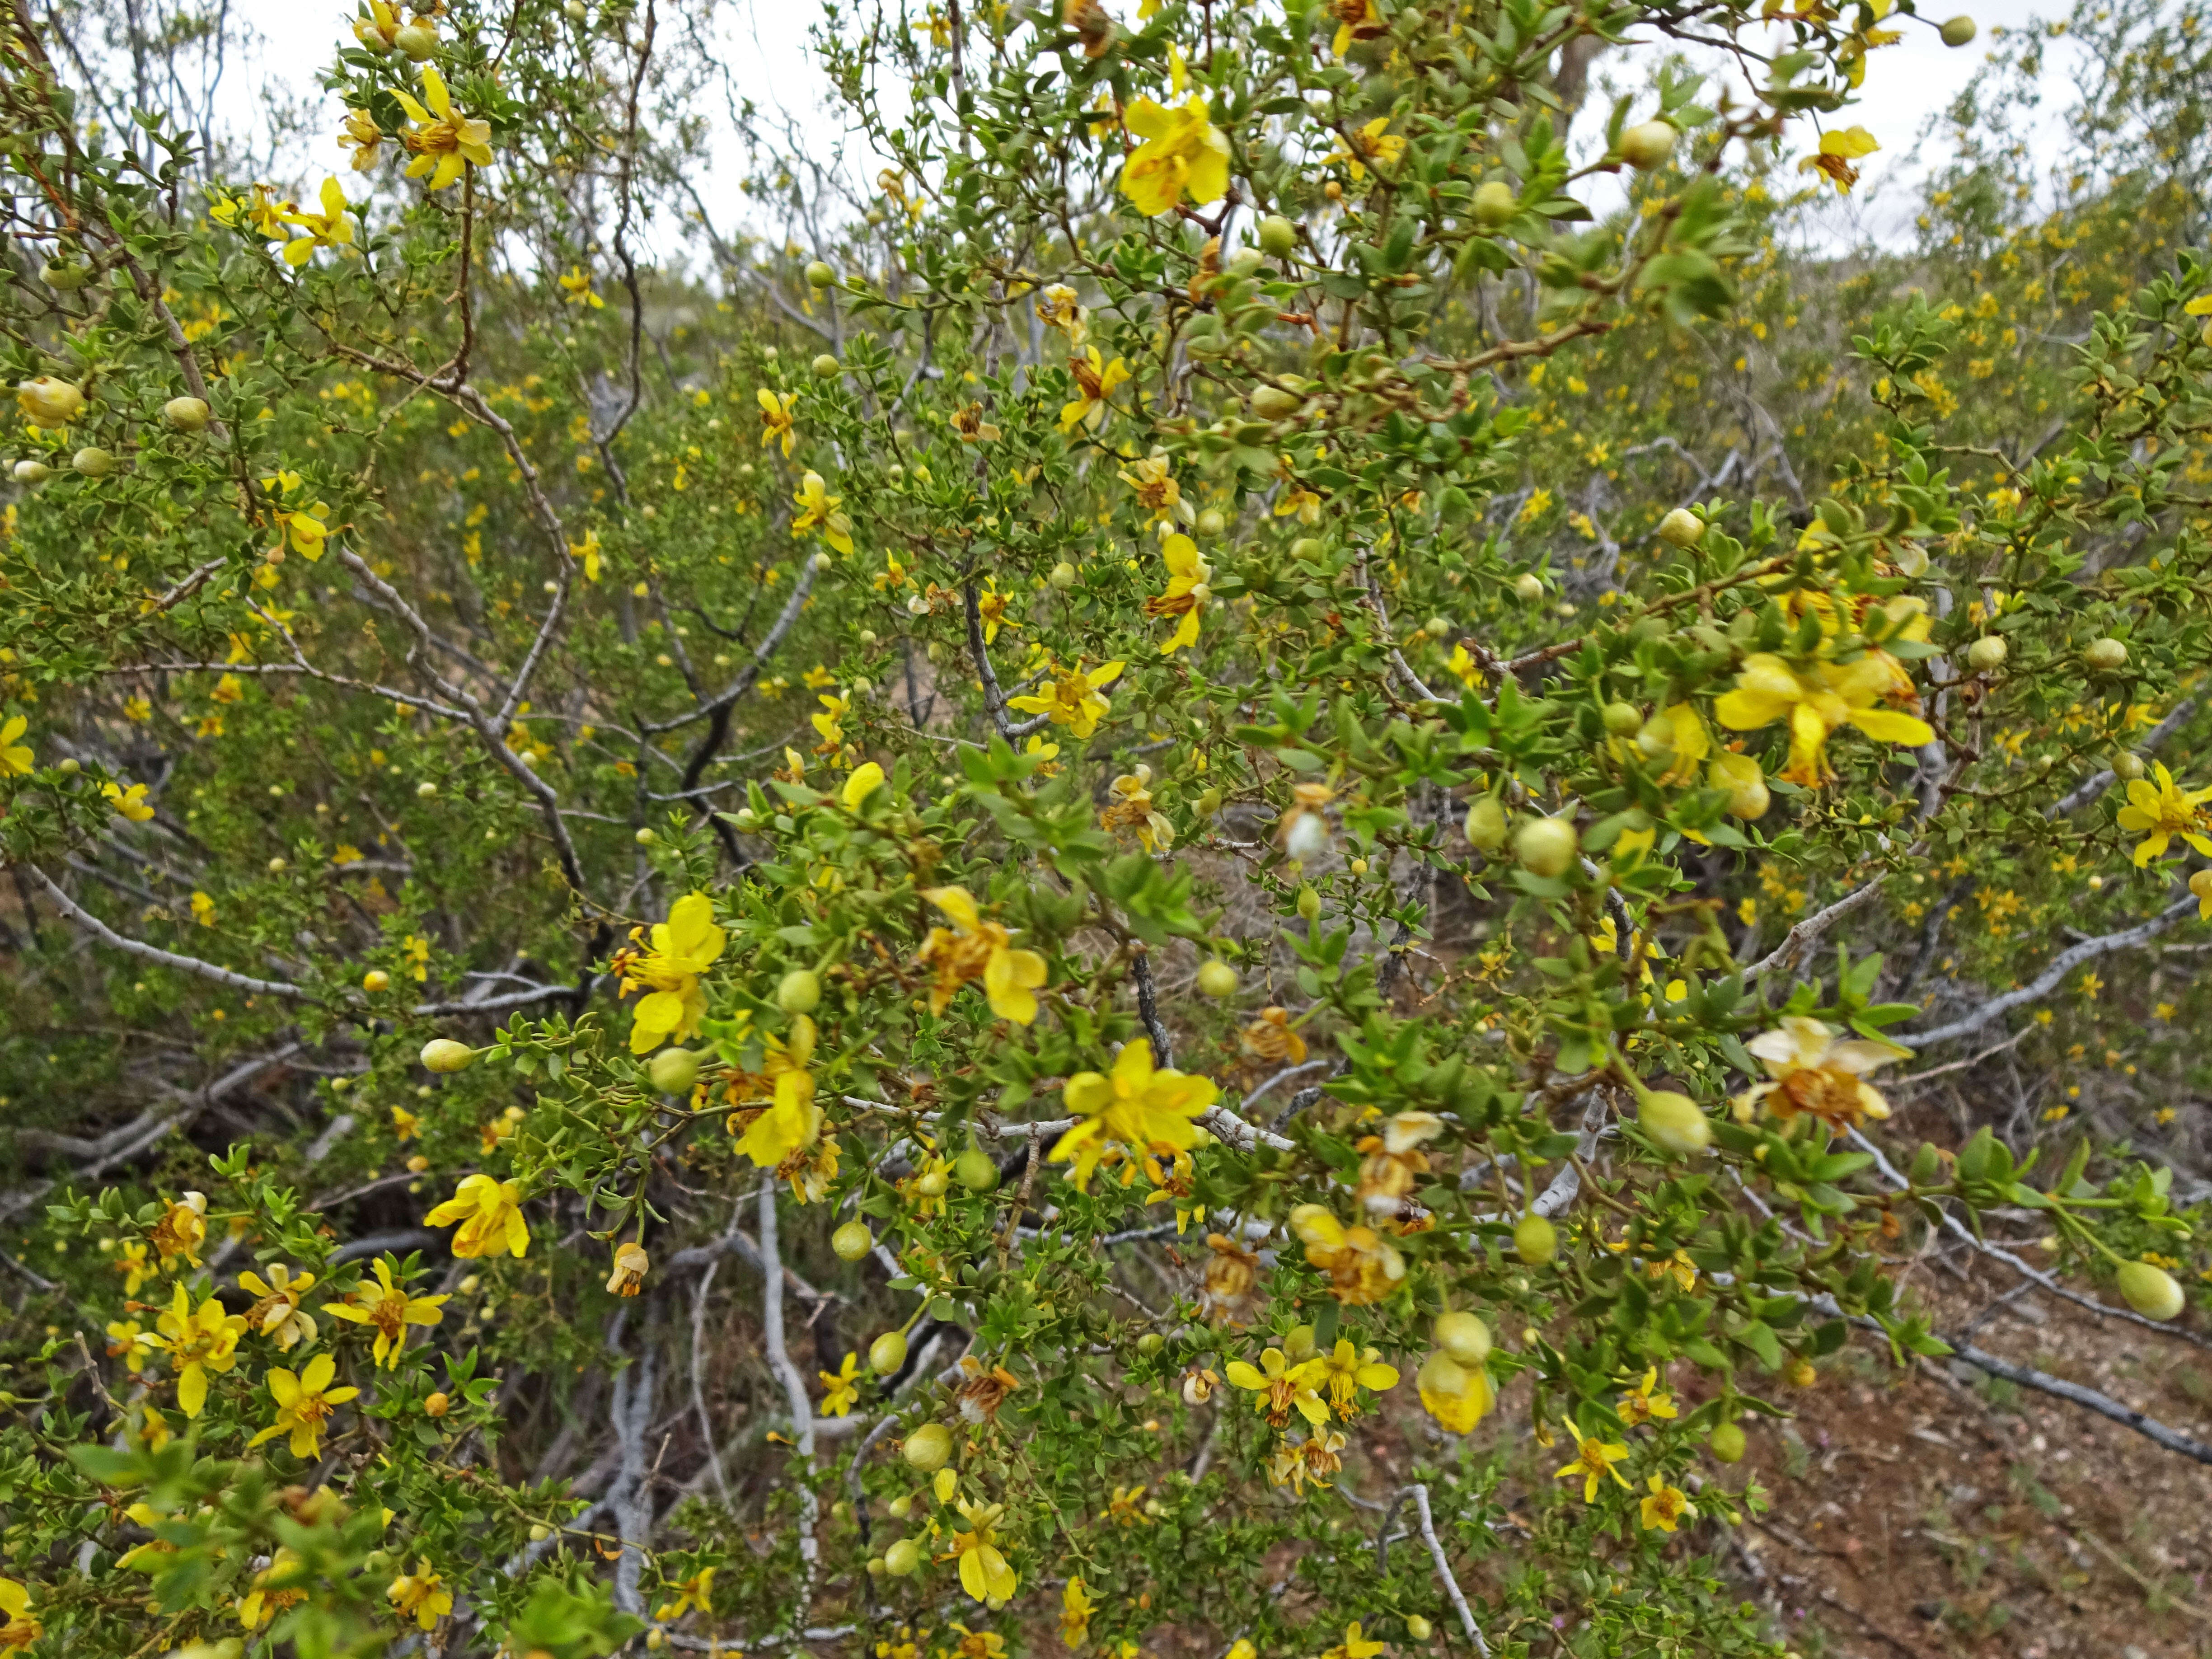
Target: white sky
point(1906, 84)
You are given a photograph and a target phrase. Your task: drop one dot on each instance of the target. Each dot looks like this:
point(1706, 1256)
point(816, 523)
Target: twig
point(794, 1393)
point(1420, 1494)
point(99, 930)
point(1148, 1008)
point(1797, 939)
point(2104, 1405)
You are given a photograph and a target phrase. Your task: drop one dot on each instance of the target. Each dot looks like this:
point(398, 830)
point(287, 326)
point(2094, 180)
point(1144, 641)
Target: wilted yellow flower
point(1810, 1070)
point(1363, 1266)
point(1458, 1396)
point(631, 1265)
point(277, 1313)
point(1837, 152)
point(980, 949)
point(181, 1230)
point(361, 135)
point(1095, 380)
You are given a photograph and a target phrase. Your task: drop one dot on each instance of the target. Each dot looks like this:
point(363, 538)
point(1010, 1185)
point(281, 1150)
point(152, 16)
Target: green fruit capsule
point(887, 1353)
point(852, 1241)
point(826, 366)
point(928, 1449)
point(1485, 823)
point(975, 1170)
point(1535, 1240)
point(444, 1054)
point(1279, 237)
point(1622, 718)
point(819, 274)
point(902, 1559)
point(1495, 203)
point(1674, 1122)
point(1957, 30)
point(673, 1071)
point(1726, 1442)
point(798, 992)
point(2150, 1291)
point(1547, 847)
point(1217, 979)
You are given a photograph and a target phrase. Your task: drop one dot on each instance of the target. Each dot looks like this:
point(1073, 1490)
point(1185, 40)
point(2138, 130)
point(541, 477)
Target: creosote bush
point(1171, 884)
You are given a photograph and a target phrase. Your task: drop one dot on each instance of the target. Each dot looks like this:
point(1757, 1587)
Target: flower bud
point(819, 274)
point(1495, 203)
point(647, 835)
point(375, 980)
point(186, 414)
point(1217, 979)
point(64, 274)
point(1308, 837)
point(1674, 1122)
point(1271, 402)
point(418, 39)
point(2150, 1291)
point(1682, 527)
point(1211, 523)
point(932, 1184)
point(444, 1054)
point(798, 992)
point(1299, 1346)
point(1485, 823)
point(539, 1532)
point(673, 1071)
point(852, 1241)
point(426, 790)
point(1987, 653)
point(31, 472)
point(1547, 847)
point(1309, 901)
point(1647, 145)
point(1464, 1336)
point(900, 1507)
point(928, 1448)
point(438, 1404)
point(1308, 550)
point(1738, 774)
point(48, 401)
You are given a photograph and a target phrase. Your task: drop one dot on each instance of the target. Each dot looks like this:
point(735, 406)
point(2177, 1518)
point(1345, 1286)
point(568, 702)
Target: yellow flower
point(331, 227)
point(1371, 144)
point(380, 29)
point(1837, 152)
point(281, 1584)
point(1299, 503)
point(696, 1591)
point(1641, 1404)
point(16, 760)
point(277, 1313)
point(980, 949)
point(1076, 1608)
point(391, 1309)
point(1458, 1397)
point(1071, 697)
point(127, 801)
point(19, 1629)
point(793, 1122)
point(1354, 1645)
point(1345, 1370)
point(1676, 735)
point(130, 1261)
point(822, 509)
point(1280, 1387)
point(631, 1264)
point(1187, 591)
point(444, 144)
point(490, 1214)
point(1182, 153)
point(204, 909)
point(197, 1343)
point(1815, 703)
point(1810, 1071)
point(840, 1388)
point(1095, 380)
point(684, 947)
point(984, 1573)
point(1357, 20)
point(261, 210)
point(576, 288)
point(991, 607)
point(1666, 1506)
point(1135, 1106)
point(775, 417)
point(1593, 1461)
point(586, 552)
point(1363, 1265)
point(361, 135)
point(1059, 307)
point(129, 1344)
point(2163, 811)
point(830, 721)
point(404, 1125)
point(420, 1595)
point(304, 1404)
point(180, 1230)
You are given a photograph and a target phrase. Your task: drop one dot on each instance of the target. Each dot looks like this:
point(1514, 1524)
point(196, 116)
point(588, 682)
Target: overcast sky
point(1905, 84)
